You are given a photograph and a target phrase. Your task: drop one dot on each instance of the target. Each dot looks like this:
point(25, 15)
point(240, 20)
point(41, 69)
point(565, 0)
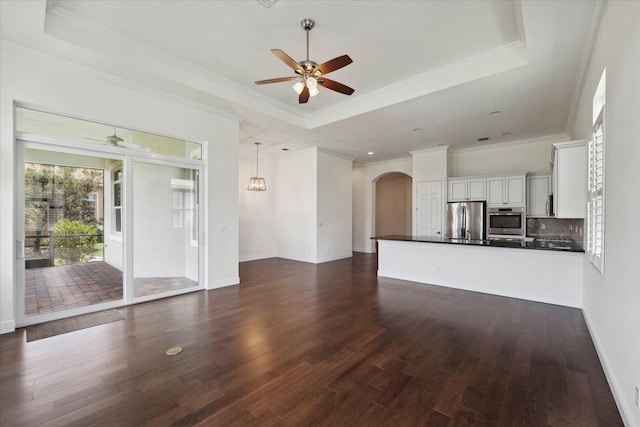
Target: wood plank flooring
point(300, 344)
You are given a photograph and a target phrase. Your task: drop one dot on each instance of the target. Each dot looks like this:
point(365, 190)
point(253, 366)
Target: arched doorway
point(393, 204)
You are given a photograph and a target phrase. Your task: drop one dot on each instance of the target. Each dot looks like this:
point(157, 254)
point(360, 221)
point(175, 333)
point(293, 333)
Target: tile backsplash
point(547, 227)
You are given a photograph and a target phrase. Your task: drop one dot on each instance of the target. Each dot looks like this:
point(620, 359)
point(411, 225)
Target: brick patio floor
point(51, 289)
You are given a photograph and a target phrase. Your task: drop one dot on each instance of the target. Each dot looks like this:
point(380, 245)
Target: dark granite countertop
point(536, 243)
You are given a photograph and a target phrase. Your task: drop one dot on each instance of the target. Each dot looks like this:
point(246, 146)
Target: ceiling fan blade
point(114, 139)
point(286, 59)
point(334, 64)
point(304, 96)
point(338, 87)
point(278, 80)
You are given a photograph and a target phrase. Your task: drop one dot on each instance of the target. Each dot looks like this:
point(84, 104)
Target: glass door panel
point(165, 229)
point(68, 264)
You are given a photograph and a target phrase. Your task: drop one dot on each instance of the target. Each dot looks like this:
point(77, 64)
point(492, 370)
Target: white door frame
point(24, 141)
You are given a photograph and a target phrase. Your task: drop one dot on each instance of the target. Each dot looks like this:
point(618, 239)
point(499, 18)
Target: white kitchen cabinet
point(538, 191)
point(570, 179)
point(506, 190)
point(463, 189)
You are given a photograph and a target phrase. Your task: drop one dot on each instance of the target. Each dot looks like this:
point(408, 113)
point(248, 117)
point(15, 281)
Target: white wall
point(304, 215)
point(258, 236)
point(334, 207)
point(64, 88)
point(364, 177)
point(429, 164)
point(504, 158)
point(296, 205)
point(612, 299)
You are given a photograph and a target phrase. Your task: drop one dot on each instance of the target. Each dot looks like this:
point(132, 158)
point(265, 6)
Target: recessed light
point(484, 138)
point(370, 153)
point(495, 113)
point(417, 130)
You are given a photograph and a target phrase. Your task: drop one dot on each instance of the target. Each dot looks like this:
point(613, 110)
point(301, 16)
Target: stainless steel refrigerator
point(466, 220)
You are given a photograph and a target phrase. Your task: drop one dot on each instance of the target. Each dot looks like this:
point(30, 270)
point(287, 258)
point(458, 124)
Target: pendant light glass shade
point(256, 183)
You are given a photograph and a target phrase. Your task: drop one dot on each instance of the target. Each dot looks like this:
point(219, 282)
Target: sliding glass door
point(101, 230)
point(165, 229)
point(68, 268)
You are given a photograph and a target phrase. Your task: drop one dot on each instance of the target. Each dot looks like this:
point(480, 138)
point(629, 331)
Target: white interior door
point(429, 204)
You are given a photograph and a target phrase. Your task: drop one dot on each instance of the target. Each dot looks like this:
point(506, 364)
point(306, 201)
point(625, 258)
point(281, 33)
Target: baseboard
point(334, 257)
point(7, 327)
point(221, 283)
point(528, 297)
point(257, 257)
point(296, 258)
point(364, 250)
point(625, 411)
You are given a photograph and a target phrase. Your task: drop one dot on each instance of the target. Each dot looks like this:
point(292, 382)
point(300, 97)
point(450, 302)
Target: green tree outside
point(59, 195)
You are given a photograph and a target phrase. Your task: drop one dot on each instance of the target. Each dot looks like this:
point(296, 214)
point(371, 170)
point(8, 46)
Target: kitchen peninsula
point(529, 269)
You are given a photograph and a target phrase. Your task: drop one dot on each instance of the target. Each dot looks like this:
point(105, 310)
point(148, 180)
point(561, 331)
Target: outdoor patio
point(51, 289)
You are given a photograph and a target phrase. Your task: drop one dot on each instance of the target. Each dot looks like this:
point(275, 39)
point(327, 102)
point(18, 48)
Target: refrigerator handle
point(464, 222)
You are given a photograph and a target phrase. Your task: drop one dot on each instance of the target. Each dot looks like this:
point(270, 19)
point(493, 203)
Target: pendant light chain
point(257, 146)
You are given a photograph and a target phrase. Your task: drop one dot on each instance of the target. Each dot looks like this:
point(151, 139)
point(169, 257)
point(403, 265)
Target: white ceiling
point(440, 66)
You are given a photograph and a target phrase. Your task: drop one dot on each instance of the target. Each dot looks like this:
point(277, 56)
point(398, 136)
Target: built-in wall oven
point(506, 222)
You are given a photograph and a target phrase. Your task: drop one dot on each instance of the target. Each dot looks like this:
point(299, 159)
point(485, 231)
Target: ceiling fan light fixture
point(298, 86)
point(308, 72)
point(311, 83)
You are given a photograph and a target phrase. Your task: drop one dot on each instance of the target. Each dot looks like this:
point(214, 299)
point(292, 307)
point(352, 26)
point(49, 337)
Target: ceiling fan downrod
point(307, 24)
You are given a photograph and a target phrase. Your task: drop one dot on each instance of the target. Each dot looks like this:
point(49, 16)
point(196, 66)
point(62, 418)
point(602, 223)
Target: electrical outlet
point(637, 397)
point(542, 226)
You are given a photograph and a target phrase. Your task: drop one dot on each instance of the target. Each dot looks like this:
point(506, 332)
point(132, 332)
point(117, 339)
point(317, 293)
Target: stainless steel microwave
point(506, 221)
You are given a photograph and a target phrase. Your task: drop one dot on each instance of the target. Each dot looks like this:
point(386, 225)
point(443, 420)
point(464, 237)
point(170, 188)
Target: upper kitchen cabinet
point(506, 190)
point(538, 192)
point(463, 189)
point(569, 179)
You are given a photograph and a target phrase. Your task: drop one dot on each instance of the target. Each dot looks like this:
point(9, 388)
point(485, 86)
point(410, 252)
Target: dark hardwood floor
point(301, 344)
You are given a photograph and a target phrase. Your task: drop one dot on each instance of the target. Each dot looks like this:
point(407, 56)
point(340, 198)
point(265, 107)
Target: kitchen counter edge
point(566, 247)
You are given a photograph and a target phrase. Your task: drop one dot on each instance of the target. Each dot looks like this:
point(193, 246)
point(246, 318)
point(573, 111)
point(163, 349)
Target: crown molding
point(65, 26)
point(110, 78)
point(519, 20)
point(430, 150)
point(586, 53)
point(187, 77)
point(495, 61)
point(335, 154)
point(382, 162)
point(559, 137)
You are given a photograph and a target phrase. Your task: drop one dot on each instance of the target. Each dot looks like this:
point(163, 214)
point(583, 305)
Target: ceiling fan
point(309, 73)
point(116, 141)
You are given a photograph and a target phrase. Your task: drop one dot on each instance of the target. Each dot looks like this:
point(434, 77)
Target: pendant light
point(256, 183)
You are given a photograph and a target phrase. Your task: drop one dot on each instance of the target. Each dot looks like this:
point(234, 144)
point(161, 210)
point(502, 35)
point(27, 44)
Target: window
point(117, 201)
point(595, 216)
